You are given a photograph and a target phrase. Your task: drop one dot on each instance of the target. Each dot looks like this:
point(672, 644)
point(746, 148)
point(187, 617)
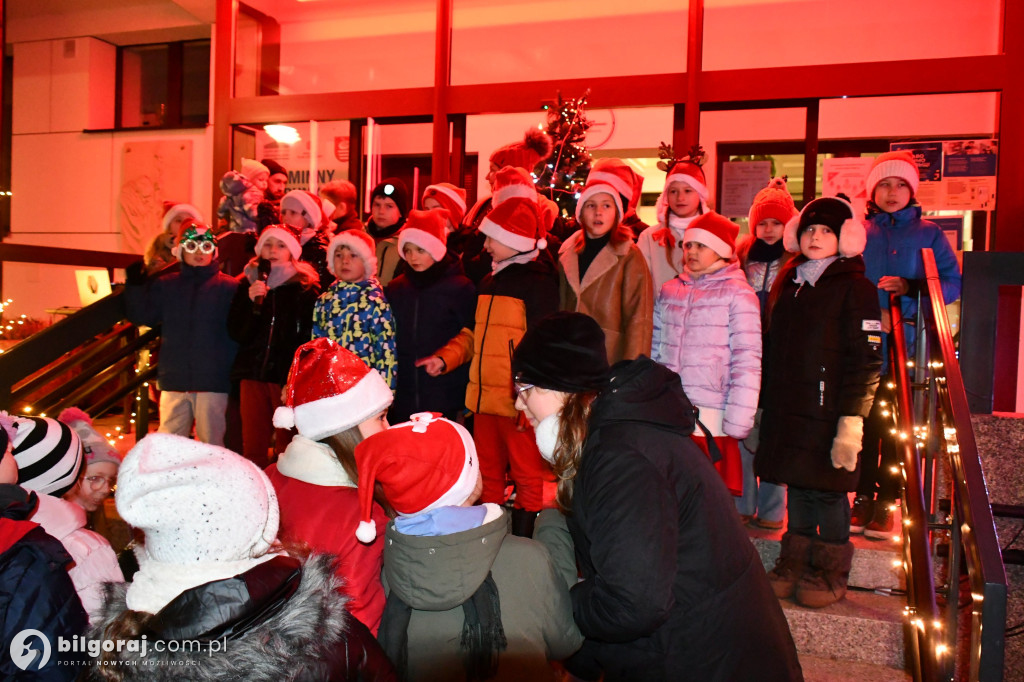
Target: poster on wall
point(741, 180)
point(928, 156)
point(331, 158)
point(957, 175)
point(846, 176)
point(152, 172)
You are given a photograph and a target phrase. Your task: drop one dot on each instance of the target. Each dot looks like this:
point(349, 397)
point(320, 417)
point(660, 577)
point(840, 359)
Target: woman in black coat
point(821, 366)
point(672, 587)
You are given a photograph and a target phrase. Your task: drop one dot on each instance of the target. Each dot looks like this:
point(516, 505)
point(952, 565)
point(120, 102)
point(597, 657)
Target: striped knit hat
point(49, 455)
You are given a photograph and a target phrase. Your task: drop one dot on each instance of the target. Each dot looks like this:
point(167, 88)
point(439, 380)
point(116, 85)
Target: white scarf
point(313, 462)
point(678, 226)
point(546, 435)
point(811, 270)
point(525, 257)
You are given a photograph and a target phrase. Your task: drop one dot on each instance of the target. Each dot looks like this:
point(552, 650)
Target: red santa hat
point(898, 164)
point(287, 234)
point(595, 187)
point(330, 390)
point(774, 201)
point(690, 174)
point(535, 147)
point(359, 243)
point(511, 182)
point(621, 176)
point(305, 203)
point(192, 230)
point(714, 231)
point(517, 224)
point(423, 464)
point(451, 198)
point(177, 210)
point(425, 229)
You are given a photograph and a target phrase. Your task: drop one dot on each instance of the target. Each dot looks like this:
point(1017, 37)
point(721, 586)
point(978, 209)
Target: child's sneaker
point(880, 527)
point(861, 514)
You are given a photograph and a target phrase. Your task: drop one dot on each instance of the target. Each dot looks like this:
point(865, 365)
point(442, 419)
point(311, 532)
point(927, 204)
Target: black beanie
point(394, 189)
point(831, 212)
point(274, 167)
point(564, 352)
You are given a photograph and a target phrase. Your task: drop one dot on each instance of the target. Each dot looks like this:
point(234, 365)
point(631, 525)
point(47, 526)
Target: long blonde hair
point(572, 435)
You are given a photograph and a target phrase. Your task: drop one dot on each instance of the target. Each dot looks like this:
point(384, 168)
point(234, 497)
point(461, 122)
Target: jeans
point(179, 410)
point(819, 514)
point(766, 500)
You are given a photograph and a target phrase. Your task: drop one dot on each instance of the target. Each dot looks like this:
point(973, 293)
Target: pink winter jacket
point(95, 561)
point(708, 331)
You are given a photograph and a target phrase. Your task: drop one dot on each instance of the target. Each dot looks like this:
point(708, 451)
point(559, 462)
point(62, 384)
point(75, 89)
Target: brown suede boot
point(825, 583)
point(791, 564)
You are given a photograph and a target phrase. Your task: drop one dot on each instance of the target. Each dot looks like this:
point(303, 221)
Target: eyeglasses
point(100, 481)
point(192, 245)
point(520, 389)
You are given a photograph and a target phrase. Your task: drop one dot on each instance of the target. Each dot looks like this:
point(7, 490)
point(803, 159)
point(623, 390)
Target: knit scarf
point(482, 640)
point(763, 252)
point(524, 257)
point(279, 274)
point(678, 226)
point(810, 271)
point(379, 234)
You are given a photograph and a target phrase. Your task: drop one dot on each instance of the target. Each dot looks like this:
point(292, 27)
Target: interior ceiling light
point(283, 134)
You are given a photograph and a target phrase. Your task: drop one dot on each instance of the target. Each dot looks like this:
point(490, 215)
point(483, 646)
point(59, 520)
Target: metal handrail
point(917, 560)
point(972, 523)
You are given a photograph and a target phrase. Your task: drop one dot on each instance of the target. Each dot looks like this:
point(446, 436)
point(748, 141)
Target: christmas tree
point(565, 171)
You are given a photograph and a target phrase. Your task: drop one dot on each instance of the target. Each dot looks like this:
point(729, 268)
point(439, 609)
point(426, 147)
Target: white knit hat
point(48, 454)
point(896, 164)
point(196, 503)
point(359, 243)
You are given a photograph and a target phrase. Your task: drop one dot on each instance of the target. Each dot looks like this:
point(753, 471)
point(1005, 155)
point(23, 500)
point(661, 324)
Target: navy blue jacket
point(35, 591)
point(430, 308)
point(192, 305)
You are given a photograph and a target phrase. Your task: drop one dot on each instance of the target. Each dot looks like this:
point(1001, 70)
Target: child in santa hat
point(896, 233)
point(433, 303)
point(334, 401)
point(684, 198)
point(303, 211)
point(707, 329)
point(603, 273)
point(271, 315)
point(449, 197)
point(619, 172)
point(463, 594)
point(762, 255)
point(822, 364)
point(196, 351)
point(521, 288)
point(158, 253)
point(389, 205)
point(354, 311)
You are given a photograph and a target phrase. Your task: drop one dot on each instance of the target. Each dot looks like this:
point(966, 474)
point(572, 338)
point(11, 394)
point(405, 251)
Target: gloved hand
point(848, 443)
point(135, 273)
point(753, 438)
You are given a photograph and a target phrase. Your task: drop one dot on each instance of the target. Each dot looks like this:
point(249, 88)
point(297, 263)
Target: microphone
point(263, 274)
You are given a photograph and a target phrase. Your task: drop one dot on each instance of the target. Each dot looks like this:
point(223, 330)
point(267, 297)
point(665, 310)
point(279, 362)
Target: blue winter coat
point(37, 591)
point(192, 305)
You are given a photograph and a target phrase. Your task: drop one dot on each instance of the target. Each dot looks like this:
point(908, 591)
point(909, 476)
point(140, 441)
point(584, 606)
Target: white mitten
point(753, 438)
point(847, 443)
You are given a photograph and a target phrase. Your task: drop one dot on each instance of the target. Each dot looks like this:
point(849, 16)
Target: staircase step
point(864, 627)
point(873, 564)
point(819, 669)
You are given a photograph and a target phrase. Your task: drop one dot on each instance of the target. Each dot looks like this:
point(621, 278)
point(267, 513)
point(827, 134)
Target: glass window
point(144, 71)
point(166, 84)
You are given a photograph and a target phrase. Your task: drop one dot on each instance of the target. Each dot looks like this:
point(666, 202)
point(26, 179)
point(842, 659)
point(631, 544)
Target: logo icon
point(26, 656)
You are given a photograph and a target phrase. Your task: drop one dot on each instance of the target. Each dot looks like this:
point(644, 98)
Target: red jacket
point(324, 515)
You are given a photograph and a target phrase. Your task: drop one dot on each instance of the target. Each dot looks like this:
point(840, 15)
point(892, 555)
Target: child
point(196, 351)
point(761, 255)
point(302, 211)
point(603, 272)
point(271, 316)
point(159, 252)
point(620, 173)
point(821, 370)
point(101, 462)
point(389, 204)
point(211, 567)
point(345, 216)
point(522, 288)
point(449, 197)
point(243, 192)
point(433, 303)
point(50, 463)
point(892, 259)
point(335, 401)
point(707, 329)
point(39, 594)
point(354, 311)
point(462, 594)
point(684, 198)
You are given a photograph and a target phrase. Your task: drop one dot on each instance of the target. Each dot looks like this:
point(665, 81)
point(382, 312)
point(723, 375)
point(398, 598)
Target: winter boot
point(861, 513)
point(523, 522)
point(880, 527)
point(825, 583)
point(791, 564)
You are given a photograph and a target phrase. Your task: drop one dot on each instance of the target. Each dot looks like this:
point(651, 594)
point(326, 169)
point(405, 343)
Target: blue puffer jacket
point(196, 353)
point(708, 331)
point(38, 593)
point(894, 243)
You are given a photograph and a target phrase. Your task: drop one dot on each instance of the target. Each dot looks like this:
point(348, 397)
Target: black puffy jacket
point(821, 361)
point(672, 588)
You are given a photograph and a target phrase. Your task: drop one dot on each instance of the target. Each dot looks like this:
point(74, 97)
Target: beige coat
point(616, 291)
